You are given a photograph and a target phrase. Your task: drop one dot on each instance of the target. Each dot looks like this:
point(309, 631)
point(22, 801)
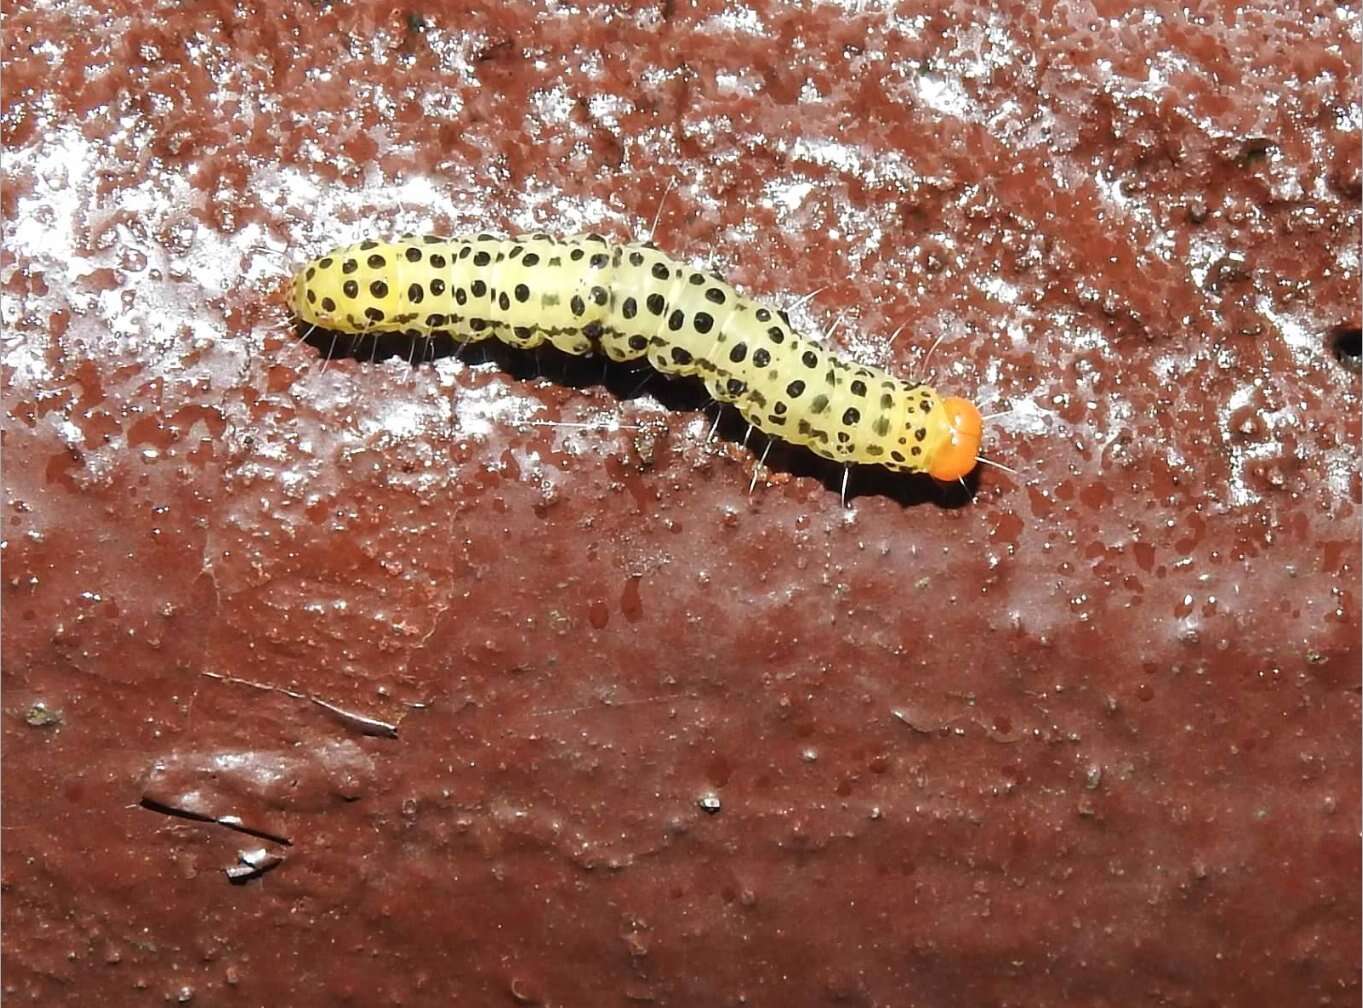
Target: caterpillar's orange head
point(957, 453)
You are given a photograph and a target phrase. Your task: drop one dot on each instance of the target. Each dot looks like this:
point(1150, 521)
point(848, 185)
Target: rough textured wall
point(1085, 735)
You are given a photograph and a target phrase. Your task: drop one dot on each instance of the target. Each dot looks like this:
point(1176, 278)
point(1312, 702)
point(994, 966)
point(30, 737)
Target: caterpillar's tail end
point(957, 456)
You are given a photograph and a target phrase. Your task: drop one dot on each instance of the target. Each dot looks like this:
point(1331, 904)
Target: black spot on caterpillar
point(629, 301)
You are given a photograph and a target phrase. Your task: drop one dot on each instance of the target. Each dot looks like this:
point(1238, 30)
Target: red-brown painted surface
point(1087, 735)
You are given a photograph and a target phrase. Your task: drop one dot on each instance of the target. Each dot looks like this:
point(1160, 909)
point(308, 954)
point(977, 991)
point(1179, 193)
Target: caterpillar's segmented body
point(629, 301)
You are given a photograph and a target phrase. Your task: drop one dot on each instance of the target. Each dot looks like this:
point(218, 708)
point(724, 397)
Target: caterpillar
point(629, 300)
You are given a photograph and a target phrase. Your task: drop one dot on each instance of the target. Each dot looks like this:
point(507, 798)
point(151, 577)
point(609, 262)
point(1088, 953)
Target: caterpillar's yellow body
point(629, 301)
